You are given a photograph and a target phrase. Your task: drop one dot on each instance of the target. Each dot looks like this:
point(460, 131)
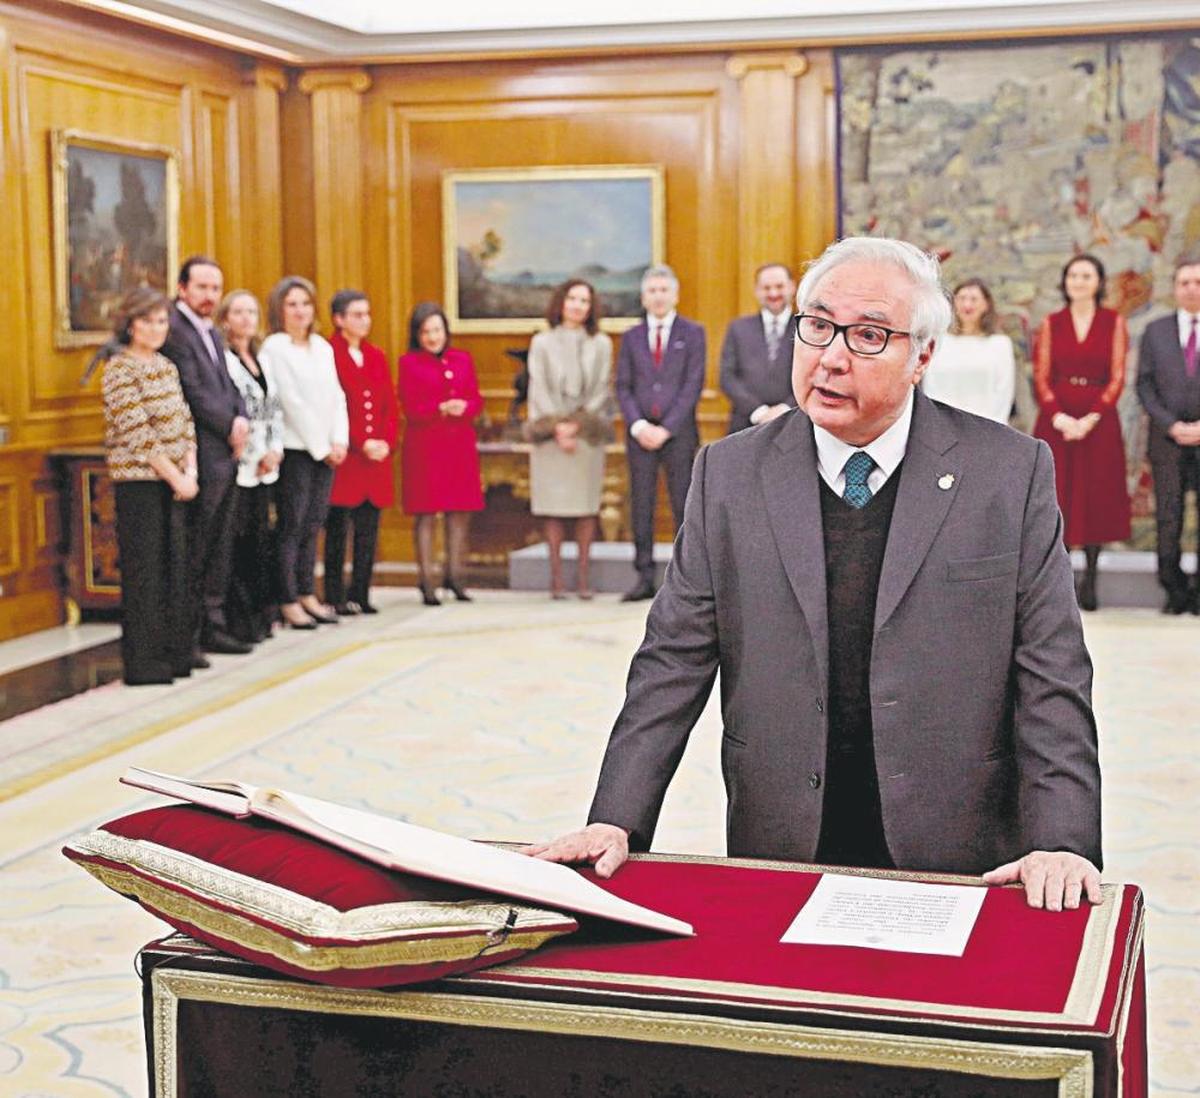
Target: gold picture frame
point(115, 224)
point(510, 235)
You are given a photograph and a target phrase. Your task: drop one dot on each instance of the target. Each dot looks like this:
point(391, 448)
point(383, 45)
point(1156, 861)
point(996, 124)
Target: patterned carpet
point(486, 720)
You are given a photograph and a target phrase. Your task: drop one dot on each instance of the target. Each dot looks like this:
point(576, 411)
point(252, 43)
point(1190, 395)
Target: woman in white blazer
point(316, 432)
point(973, 367)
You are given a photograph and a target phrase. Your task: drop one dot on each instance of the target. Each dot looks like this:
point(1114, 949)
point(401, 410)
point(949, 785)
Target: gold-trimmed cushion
point(299, 906)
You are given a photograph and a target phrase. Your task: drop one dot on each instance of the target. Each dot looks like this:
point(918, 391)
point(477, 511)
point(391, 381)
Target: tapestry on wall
point(1007, 160)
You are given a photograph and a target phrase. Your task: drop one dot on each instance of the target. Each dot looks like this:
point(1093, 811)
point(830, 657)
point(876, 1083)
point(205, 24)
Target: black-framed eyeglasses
point(862, 339)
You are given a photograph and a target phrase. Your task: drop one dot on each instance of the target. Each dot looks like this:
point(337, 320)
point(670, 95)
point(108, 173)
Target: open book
point(412, 849)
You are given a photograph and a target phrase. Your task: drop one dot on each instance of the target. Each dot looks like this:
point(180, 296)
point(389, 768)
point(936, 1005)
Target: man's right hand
point(605, 846)
point(239, 432)
point(652, 437)
point(1185, 434)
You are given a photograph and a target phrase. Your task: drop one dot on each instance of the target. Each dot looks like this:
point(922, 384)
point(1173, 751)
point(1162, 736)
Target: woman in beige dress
point(569, 370)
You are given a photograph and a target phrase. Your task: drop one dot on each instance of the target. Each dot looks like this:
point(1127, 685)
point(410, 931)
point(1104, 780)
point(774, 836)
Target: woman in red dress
point(1078, 375)
point(439, 461)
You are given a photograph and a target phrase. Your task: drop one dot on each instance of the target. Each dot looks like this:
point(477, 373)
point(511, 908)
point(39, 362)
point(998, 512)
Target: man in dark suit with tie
point(196, 348)
point(1168, 385)
point(881, 583)
point(660, 373)
point(756, 359)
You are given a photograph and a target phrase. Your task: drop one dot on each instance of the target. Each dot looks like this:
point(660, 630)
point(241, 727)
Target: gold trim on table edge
point(1072, 1068)
point(1135, 954)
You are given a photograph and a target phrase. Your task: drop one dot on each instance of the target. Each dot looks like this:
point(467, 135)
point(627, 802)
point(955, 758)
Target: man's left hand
point(1052, 879)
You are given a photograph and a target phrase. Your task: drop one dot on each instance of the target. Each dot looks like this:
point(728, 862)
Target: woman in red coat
point(363, 483)
point(440, 464)
point(1078, 375)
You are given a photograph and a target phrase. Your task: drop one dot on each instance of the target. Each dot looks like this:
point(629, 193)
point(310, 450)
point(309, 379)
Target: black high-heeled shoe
point(450, 584)
point(428, 597)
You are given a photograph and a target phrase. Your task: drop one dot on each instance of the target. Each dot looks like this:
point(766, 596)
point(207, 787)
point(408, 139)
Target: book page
point(232, 798)
point(430, 853)
point(878, 913)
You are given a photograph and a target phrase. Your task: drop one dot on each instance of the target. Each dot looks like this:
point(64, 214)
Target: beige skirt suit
point(569, 374)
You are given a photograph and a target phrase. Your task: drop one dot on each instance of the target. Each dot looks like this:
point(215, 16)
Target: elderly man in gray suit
point(1168, 386)
point(882, 584)
point(756, 372)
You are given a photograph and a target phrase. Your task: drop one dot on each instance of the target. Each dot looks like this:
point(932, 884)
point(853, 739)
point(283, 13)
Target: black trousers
point(156, 607)
point(252, 584)
point(210, 545)
point(1176, 471)
point(676, 458)
point(303, 502)
point(365, 520)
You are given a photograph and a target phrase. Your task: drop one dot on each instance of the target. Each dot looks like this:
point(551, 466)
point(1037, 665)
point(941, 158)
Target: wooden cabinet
point(91, 576)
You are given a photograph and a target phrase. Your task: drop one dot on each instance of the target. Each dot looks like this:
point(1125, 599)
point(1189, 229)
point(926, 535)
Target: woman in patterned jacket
point(151, 453)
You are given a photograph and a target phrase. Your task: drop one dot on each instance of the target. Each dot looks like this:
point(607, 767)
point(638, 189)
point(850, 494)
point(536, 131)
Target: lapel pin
point(946, 481)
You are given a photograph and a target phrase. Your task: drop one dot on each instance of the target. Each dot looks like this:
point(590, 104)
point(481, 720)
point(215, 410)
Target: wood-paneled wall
point(62, 69)
point(745, 141)
point(336, 174)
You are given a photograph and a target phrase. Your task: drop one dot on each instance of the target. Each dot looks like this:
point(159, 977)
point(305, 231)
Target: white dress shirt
point(887, 451)
point(1186, 320)
point(652, 326)
point(778, 321)
point(203, 326)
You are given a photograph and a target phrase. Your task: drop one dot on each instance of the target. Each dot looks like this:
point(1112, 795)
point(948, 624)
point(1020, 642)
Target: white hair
point(660, 270)
point(931, 310)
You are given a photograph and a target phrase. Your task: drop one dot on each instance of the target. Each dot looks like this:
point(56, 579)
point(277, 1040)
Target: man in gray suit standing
point(756, 373)
point(1168, 386)
point(882, 584)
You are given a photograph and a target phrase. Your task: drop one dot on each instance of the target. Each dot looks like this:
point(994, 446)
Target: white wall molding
point(307, 39)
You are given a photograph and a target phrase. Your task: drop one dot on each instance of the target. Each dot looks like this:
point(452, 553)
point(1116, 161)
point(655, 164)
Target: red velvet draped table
point(1040, 1003)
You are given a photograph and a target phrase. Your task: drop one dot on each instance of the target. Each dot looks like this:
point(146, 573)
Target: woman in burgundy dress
point(439, 461)
point(1078, 375)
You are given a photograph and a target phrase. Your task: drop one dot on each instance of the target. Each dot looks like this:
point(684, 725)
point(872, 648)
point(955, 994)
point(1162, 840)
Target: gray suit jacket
point(985, 741)
point(1163, 387)
point(748, 377)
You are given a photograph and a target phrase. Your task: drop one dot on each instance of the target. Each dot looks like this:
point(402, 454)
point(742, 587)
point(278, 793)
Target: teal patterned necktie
point(858, 468)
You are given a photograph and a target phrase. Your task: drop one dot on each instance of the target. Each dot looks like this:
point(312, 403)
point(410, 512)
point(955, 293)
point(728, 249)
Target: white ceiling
point(315, 31)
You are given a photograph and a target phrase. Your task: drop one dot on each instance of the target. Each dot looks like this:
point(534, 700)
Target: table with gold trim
point(1041, 1003)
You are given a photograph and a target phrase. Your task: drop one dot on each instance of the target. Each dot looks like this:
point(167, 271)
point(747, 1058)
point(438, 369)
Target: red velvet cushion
point(296, 905)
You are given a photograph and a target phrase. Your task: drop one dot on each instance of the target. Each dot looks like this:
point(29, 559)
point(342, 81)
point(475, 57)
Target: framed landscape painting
point(512, 235)
point(115, 207)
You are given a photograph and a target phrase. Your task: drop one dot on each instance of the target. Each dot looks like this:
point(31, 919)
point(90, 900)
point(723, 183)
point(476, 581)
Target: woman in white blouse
point(316, 433)
point(973, 366)
point(250, 607)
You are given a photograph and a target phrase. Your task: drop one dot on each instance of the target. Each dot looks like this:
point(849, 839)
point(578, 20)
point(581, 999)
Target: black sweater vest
point(855, 540)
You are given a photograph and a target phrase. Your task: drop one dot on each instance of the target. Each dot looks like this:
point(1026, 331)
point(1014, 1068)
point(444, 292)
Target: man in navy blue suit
point(660, 373)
